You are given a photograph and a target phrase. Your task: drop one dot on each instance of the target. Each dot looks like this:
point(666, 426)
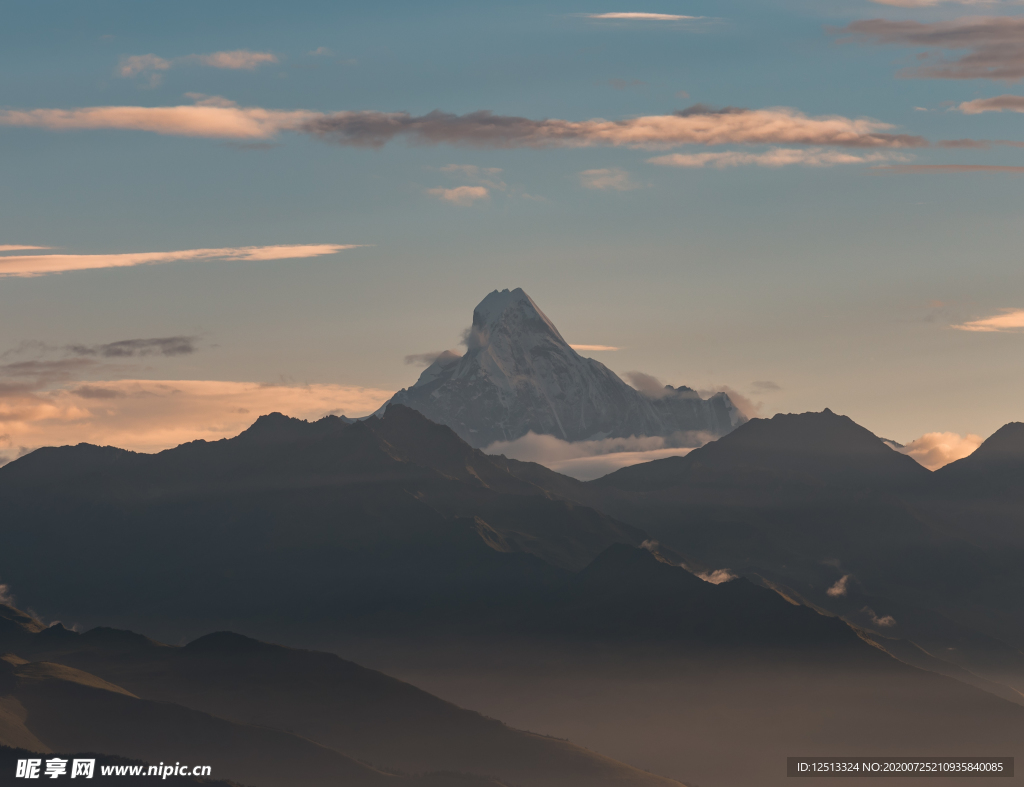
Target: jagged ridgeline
point(519, 375)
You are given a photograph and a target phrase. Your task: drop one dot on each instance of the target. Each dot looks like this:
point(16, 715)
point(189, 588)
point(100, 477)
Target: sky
point(211, 211)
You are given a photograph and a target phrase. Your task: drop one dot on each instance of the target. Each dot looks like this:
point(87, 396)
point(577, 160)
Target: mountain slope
point(804, 451)
point(325, 699)
point(519, 375)
point(392, 513)
point(994, 470)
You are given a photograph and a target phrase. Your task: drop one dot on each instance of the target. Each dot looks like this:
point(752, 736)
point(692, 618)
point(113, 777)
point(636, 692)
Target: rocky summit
point(519, 375)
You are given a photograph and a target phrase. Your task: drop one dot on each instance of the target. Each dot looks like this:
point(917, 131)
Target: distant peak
point(500, 307)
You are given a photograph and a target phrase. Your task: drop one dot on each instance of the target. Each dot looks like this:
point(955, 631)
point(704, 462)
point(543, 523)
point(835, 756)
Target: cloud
point(235, 60)
point(746, 406)
point(593, 348)
point(938, 449)
point(996, 104)
point(613, 179)
point(207, 120)
point(632, 16)
point(461, 195)
point(43, 264)
point(129, 348)
point(885, 622)
point(22, 248)
point(698, 125)
point(933, 3)
point(924, 169)
point(151, 415)
point(321, 51)
point(778, 157)
point(765, 386)
point(995, 45)
point(839, 588)
point(1007, 321)
point(425, 359)
point(648, 385)
point(718, 577)
point(133, 65)
point(5, 596)
point(479, 176)
point(589, 459)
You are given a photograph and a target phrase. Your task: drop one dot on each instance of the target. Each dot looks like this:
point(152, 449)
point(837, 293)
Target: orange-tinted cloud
point(216, 122)
point(43, 264)
point(949, 169)
point(1002, 103)
point(937, 449)
point(1007, 321)
point(697, 125)
point(461, 195)
point(779, 157)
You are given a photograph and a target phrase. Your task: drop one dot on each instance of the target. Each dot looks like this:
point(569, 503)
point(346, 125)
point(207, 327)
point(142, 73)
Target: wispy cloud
point(461, 195)
point(840, 587)
point(131, 348)
point(950, 169)
point(634, 16)
point(1002, 103)
point(43, 264)
point(933, 3)
point(22, 248)
point(778, 157)
point(151, 65)
point(593, 348)
point(1007, 321)
point(591, 459)
point(699, 125)
point(885, 621)
point(613, 179)
point(994, 44)
point(938, 449)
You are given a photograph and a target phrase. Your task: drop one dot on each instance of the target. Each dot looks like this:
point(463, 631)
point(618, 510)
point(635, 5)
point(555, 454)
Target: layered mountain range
point(794, 566)
point(519, 375)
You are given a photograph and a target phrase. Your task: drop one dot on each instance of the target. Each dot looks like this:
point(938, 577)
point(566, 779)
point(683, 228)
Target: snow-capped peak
point(511, 310)
point(519, 375)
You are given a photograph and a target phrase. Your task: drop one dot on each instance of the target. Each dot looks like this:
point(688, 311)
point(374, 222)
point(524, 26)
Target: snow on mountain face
point(519, 375)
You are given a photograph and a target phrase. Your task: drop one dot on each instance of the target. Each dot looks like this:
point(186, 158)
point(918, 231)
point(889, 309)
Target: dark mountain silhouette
point(229, 691)
point(802, 452)
point(995, 469)
point(806, 500)
point(294, 519)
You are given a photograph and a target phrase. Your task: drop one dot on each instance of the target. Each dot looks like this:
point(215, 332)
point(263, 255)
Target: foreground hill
point(226, 700)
